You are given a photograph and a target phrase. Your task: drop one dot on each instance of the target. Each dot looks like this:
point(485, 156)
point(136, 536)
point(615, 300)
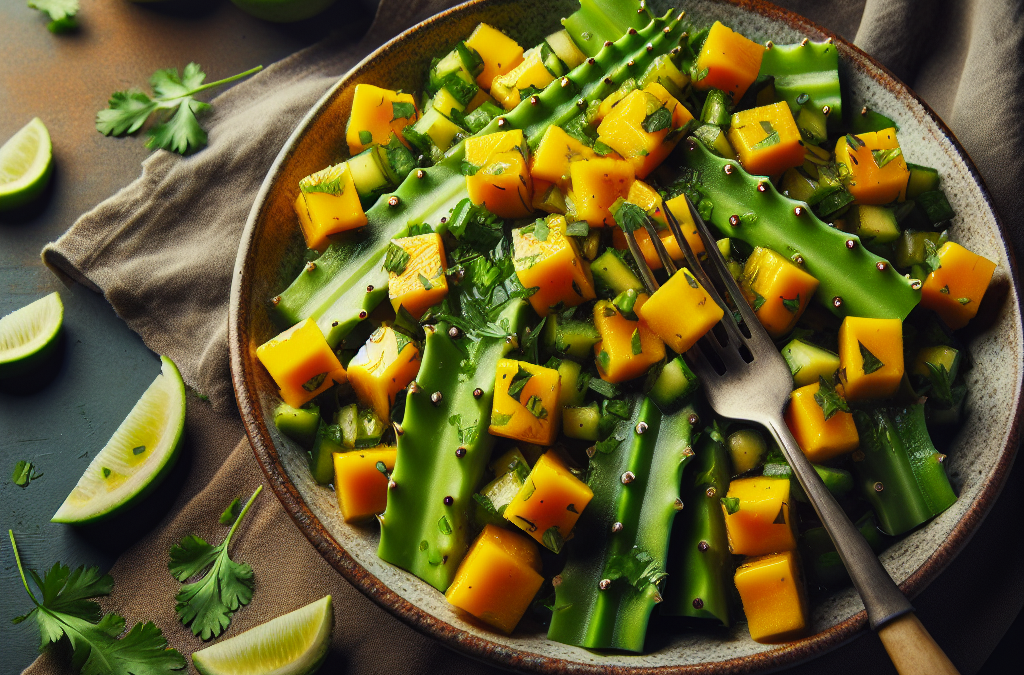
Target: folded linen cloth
point(162, 251)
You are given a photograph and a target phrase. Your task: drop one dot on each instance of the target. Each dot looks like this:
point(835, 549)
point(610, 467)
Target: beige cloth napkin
point(163, 249)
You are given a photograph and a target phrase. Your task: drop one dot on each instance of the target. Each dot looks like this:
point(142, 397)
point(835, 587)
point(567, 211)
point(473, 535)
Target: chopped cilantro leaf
point(731, 504)
point(536, 408)
point(402, 111)
point(657, 120)
point(519, 380)
point(634, 342)
point(871, 362)
point(883, 157)
point(396, 259)
point(828, 399)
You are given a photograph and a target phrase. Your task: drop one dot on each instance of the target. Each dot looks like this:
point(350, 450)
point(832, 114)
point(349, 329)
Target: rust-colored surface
point(784, 656)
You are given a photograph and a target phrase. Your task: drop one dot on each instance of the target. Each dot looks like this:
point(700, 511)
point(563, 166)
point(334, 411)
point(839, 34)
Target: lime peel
point(136, 458)
point(293, 644)
point(26, 162)
point(27, 334)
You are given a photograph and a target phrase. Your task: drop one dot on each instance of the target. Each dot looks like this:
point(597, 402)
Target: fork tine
point(645, 272)
point(701, 366)
point(666, 259)
point(698, 271)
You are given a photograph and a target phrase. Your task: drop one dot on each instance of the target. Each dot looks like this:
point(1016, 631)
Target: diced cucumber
point(581, 422)
point(833, 204)
point(566, 50)
point(911, 248)
point(508, 462)
point(716, 108)
point(591, 244)
point(874, 224)
point(368, 175)
point(550, 201)
point(369, 429)
point(321, 459)
point(939, 355)
point(574, 383)
point(808, 362)
point(674, 385)
point(612, 275)
point(573, 337)
point(396, 160)
point(492, 500)
point(347, 421)
point(298, 424)
point(713, 137)
point(551, 61)
point(444, 102)
point(663, 71)
point(922, 179)
point(439, 129)
point(450, 64)
point(866, 119)
point(747, 448)
point(812, 123)
point(796, 184)
point(935, 206)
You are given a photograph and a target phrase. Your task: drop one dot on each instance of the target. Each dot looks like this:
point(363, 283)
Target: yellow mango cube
point(820, 439)
point(361, 488)
point(418, 282)
point(502, 183)
point(772, 590)
point(377, 114)
point(759, 521)
point(498, 578)
point(499, 52)
point(531, 72)
point(596, 184)
point(777, 290)
point(525, 404)
point(627, 348)
point(301, 363)
point(480, 149)
point(870, 357)
point(868, 182)
point(766, 139)
point(623, 128)
point(381, 368)
point(553, 265)
point(549, 502)
point(954, 291)
point(328, 203)
point(727, 61)
point(556, 150)
point(681, 311)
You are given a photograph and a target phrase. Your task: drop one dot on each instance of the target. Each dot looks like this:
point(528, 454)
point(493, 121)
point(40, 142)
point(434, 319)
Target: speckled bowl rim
point(498, 654)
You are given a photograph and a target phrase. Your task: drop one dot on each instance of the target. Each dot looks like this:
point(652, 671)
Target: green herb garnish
point(731, 504)
point(871, 362)
point(518, 383)
point(396, 259)
point(828, 399)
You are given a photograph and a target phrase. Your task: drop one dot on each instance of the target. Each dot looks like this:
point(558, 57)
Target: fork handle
point(912, 649)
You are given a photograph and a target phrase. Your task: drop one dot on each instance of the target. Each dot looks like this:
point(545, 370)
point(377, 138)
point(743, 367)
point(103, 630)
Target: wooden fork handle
point(912, 649)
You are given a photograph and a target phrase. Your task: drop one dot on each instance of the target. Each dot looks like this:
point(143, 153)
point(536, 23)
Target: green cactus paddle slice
point(293, 644)
point(136, 458)
point(29, 334)
point(26, 161)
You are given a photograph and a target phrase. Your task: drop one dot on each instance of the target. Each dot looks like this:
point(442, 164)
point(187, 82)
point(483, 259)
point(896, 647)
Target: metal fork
point(755, 386)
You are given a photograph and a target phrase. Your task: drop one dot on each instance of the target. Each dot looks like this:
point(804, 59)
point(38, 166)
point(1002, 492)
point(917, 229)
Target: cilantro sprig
point(208, 603)
point(67, 608)
point(61, 12)
point(178, 129)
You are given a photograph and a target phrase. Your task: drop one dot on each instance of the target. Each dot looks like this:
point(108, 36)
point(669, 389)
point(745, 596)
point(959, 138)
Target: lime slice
point(293, 644)
point(29, 334)
point(26, 161)
point(136, 458)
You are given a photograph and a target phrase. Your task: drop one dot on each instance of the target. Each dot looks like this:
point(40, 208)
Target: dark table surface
point(104, 367)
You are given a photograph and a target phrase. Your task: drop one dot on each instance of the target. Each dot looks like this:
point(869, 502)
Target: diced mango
point(954, 291)
point(502, 183)
point(766, 139)
point(422, 282)
point(525, 404)
point(623, 129)
point(681, 311)
point(553, 265)
point(375, 117)
point(549, 502)
point(677, 205)
point(728, 61)
point(772, 590)
point(612, 100)
point(381, 368)
point(627, 348)
point(530, 73)
point(556, 150)
point(301, 363)
point(498, 578)
point(499, 52)
point(870, 357)
point(596, 184)
point(760, 521)
point(867, 182)
point(361, 487)
point(777, 289)
point(328, 203)
point(820, 439)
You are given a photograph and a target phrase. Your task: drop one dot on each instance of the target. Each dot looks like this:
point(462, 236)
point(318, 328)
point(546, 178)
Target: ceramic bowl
point(269, 257)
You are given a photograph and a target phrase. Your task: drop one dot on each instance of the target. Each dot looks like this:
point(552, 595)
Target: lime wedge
point(293, 644)
point(28, 335)
point(136, 458)
point(26, 161)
